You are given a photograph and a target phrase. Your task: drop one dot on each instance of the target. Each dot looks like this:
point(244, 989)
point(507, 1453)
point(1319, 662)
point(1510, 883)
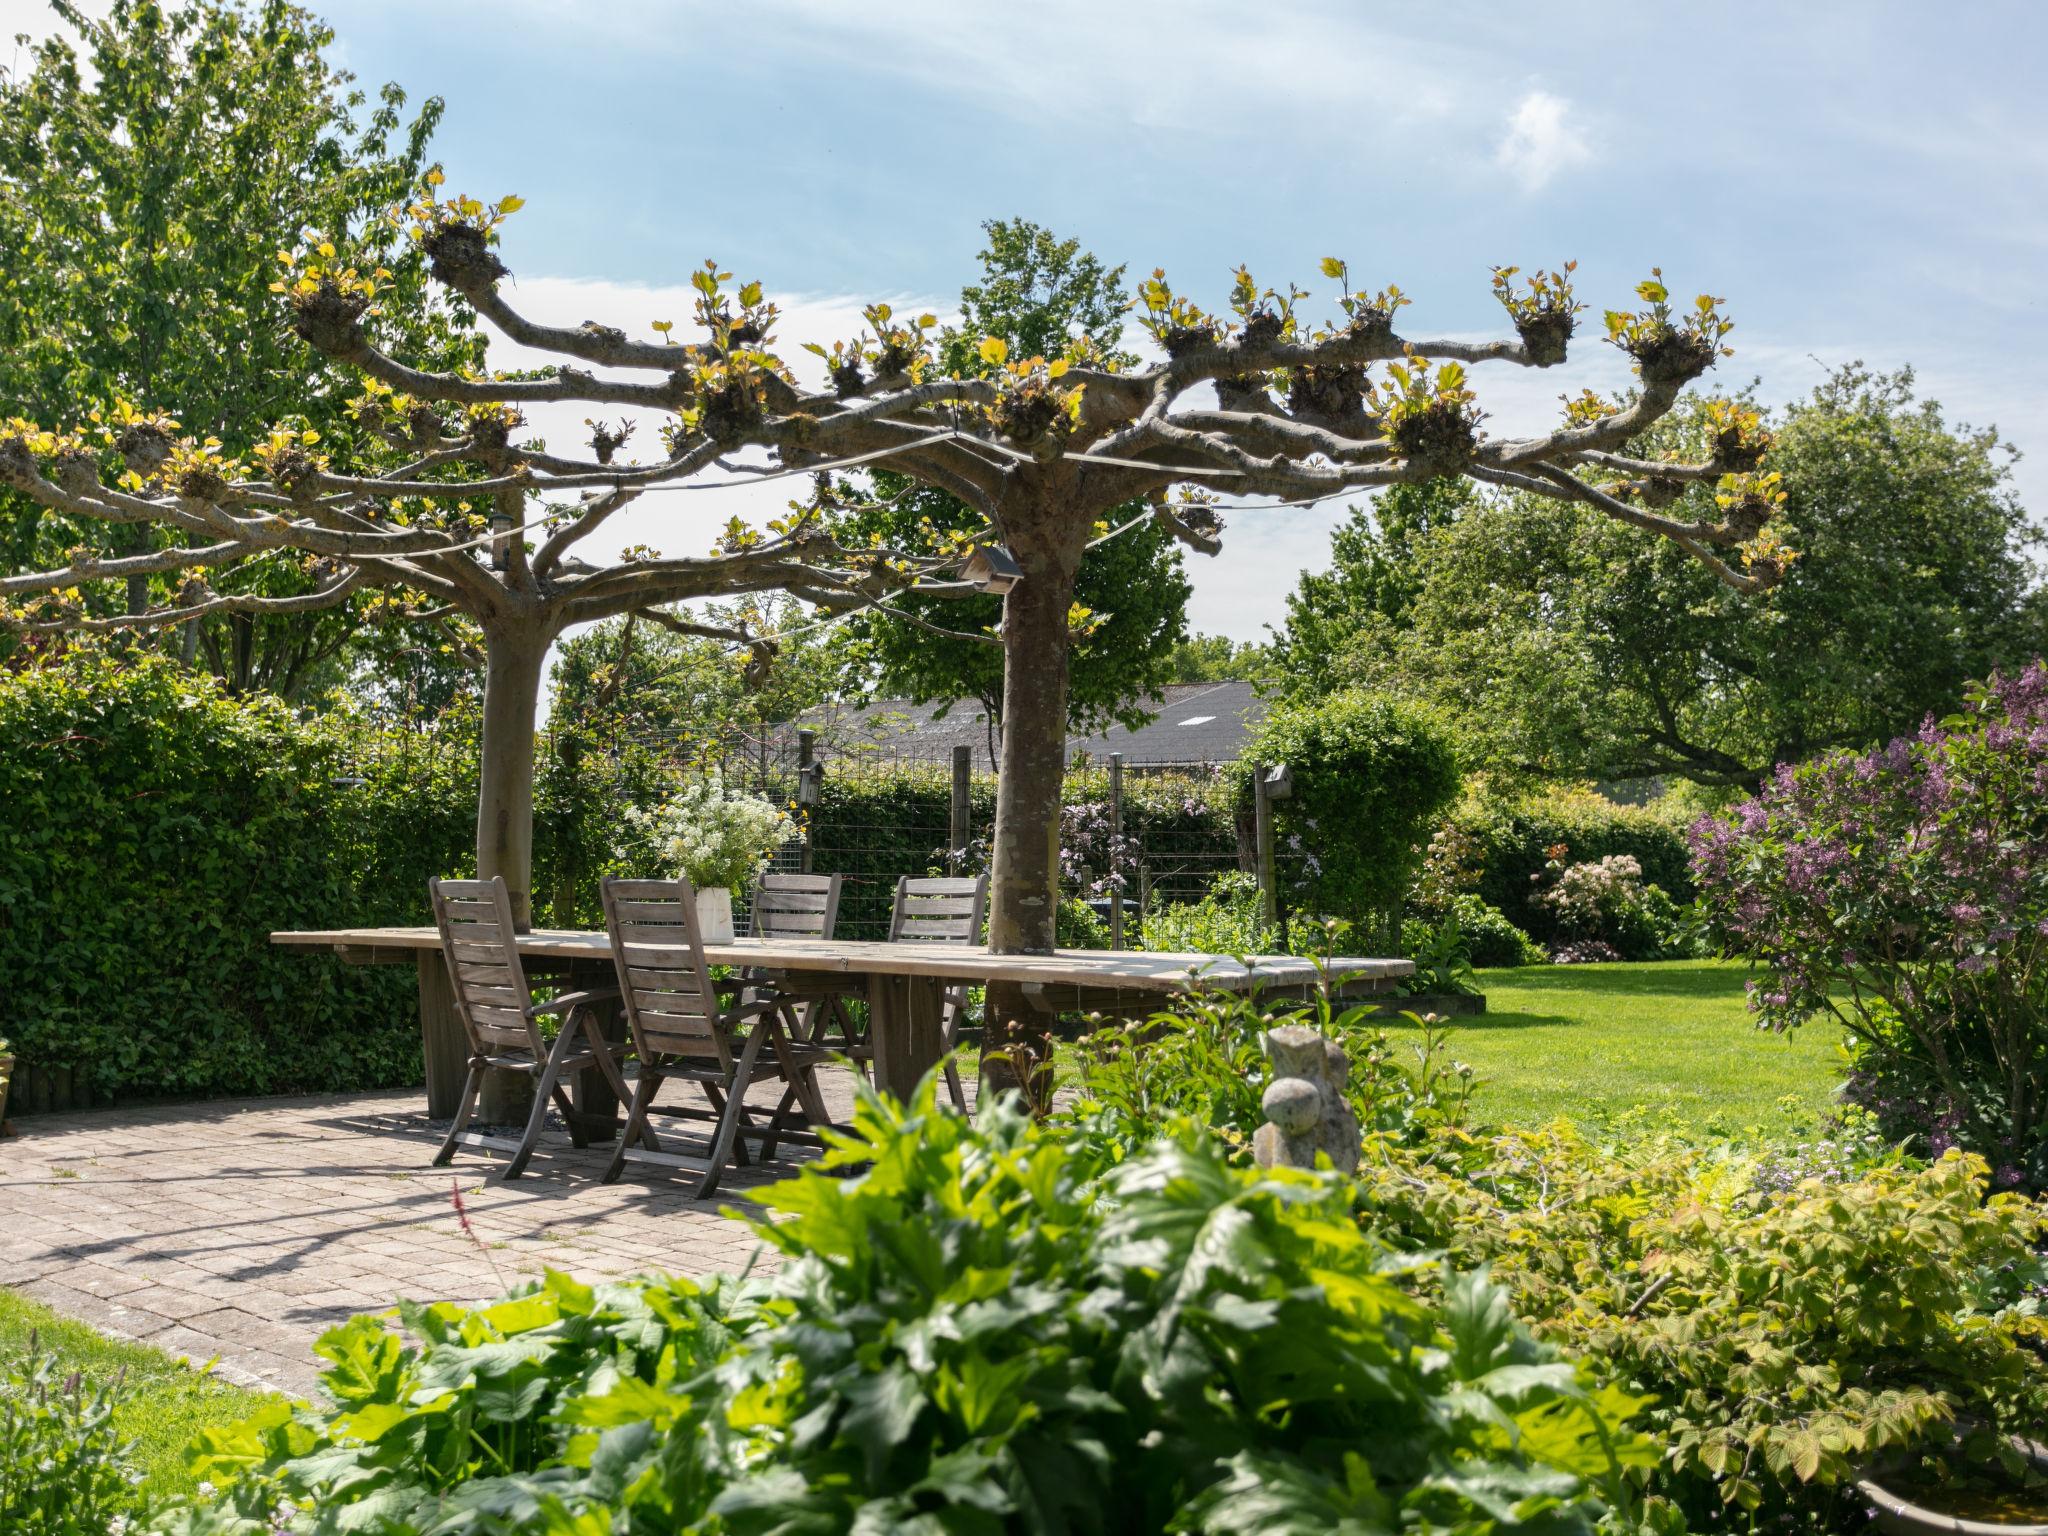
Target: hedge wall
point(155, 833)
point(1514, 833)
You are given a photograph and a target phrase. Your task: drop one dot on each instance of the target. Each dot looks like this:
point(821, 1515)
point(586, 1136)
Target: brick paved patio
point(243, 1229)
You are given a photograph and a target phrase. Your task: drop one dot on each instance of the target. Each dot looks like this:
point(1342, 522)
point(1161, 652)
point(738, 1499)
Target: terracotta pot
point(714, 914)
point(1898, 1516)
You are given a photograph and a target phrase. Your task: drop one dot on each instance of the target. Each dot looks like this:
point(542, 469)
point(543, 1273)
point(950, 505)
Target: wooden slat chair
point(495, 1003)
point(943, 910)
point(681, 1030)
point(789, 908)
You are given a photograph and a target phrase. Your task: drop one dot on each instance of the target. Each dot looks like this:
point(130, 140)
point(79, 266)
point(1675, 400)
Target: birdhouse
point(993, 568)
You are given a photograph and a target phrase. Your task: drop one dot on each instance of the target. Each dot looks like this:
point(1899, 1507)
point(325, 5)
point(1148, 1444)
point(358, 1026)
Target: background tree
point(149, 173)
point(1038, 295)
point(1564, 647)
point(639, 677)
point(1217, 659)
point(1370, 585)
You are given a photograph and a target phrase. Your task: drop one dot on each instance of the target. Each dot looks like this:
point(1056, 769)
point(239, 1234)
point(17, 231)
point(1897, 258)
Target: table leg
point(592, 1092)
point(905, 1029)
point(441, 1039)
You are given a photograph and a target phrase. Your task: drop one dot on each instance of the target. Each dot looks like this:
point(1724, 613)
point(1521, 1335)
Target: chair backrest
point(671, 1004)
point(941, 910)
point(795, 906)
point(480, 944)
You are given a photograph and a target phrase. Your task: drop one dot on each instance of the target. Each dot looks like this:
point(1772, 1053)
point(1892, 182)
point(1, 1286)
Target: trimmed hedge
point(1513, 834)
point(155, 833)
point(1371, 776)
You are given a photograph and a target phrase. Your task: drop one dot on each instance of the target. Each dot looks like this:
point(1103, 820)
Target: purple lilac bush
point(1904, 892)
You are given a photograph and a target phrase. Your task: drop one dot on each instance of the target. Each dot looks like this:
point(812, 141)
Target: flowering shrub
point(1603, 910)
point(715, 839)
point(1904, 892)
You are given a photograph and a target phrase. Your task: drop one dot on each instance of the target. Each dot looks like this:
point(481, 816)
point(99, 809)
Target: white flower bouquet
point(717, 841)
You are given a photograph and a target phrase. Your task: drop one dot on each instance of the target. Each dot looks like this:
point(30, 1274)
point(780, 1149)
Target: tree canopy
point(1039, 294)
point(1564, 647)
point(149, 174)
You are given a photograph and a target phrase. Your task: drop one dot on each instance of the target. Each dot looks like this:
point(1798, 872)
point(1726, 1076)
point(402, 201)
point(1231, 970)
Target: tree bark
point(504, 808)
point(1017, 1039)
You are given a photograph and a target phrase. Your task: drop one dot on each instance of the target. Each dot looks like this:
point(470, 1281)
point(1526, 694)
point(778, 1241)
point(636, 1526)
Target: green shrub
point(1371, 776)
point(1490, 939)
point(1227, 921)
point(1789, 1331)
point(64, 1470)
point(1514, 836)
point(978, 1327)
point(1205, 1063)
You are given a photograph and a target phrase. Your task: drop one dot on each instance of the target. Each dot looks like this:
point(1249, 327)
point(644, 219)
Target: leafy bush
point(64, 1471)
point(1787, 1334)
point(1442, 958)
point(1488, 937)
point(1513, 836)
point(1371, 776)
point(1227, 921)
point(979, 1327)
point(1204, 1063)
point(1905, 893)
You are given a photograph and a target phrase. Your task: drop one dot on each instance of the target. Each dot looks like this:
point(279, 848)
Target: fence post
point(806, 754)
point(1262, 832)
point(1116, 848)
point(960, 830)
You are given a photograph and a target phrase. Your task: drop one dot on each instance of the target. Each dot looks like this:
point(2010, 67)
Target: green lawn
point(1665, 1046)
point(168, 1402)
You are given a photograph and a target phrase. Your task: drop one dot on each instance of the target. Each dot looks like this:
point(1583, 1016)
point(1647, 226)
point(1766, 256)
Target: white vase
point(714, 914)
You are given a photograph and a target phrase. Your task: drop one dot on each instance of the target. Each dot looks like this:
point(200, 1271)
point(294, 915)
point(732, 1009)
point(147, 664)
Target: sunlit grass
point(1665, 1046)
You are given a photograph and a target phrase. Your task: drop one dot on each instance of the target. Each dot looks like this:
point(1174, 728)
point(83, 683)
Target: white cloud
point(1543, 138)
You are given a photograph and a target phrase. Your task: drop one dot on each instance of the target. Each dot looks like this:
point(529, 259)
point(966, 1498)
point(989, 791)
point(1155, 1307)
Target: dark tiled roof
point(1197, 723)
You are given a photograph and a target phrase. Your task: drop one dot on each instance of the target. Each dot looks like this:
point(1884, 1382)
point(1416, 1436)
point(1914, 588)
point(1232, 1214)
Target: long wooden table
point(905, 984)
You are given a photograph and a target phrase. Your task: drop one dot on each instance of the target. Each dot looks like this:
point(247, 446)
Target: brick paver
point(241, 1230)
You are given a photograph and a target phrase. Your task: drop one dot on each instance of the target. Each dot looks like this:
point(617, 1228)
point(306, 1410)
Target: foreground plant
point(64, 1468)
point(979, 1327)
point(1789, 1336)
point(1904, 894)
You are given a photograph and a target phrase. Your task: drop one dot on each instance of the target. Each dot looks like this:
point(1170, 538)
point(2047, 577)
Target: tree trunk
point(504, 807)
point(1017, 1040)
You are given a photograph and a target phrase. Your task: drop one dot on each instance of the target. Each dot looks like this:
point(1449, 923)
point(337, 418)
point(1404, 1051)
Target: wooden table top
point(1121, 968)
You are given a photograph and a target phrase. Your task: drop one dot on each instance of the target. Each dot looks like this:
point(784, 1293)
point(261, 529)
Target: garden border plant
point(1904, 893)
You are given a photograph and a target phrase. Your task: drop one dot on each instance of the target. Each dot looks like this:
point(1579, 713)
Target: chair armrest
point(564, 1001)
point(759, 1008)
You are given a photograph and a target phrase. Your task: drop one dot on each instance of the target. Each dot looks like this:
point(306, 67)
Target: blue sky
point(1858, 180)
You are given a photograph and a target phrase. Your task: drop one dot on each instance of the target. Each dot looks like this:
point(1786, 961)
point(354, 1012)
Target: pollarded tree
point(1265, 404)
point(435, 516)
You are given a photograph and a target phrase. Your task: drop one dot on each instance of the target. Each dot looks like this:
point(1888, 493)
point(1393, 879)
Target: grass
point(168, 1402)
point(1666, 1046)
